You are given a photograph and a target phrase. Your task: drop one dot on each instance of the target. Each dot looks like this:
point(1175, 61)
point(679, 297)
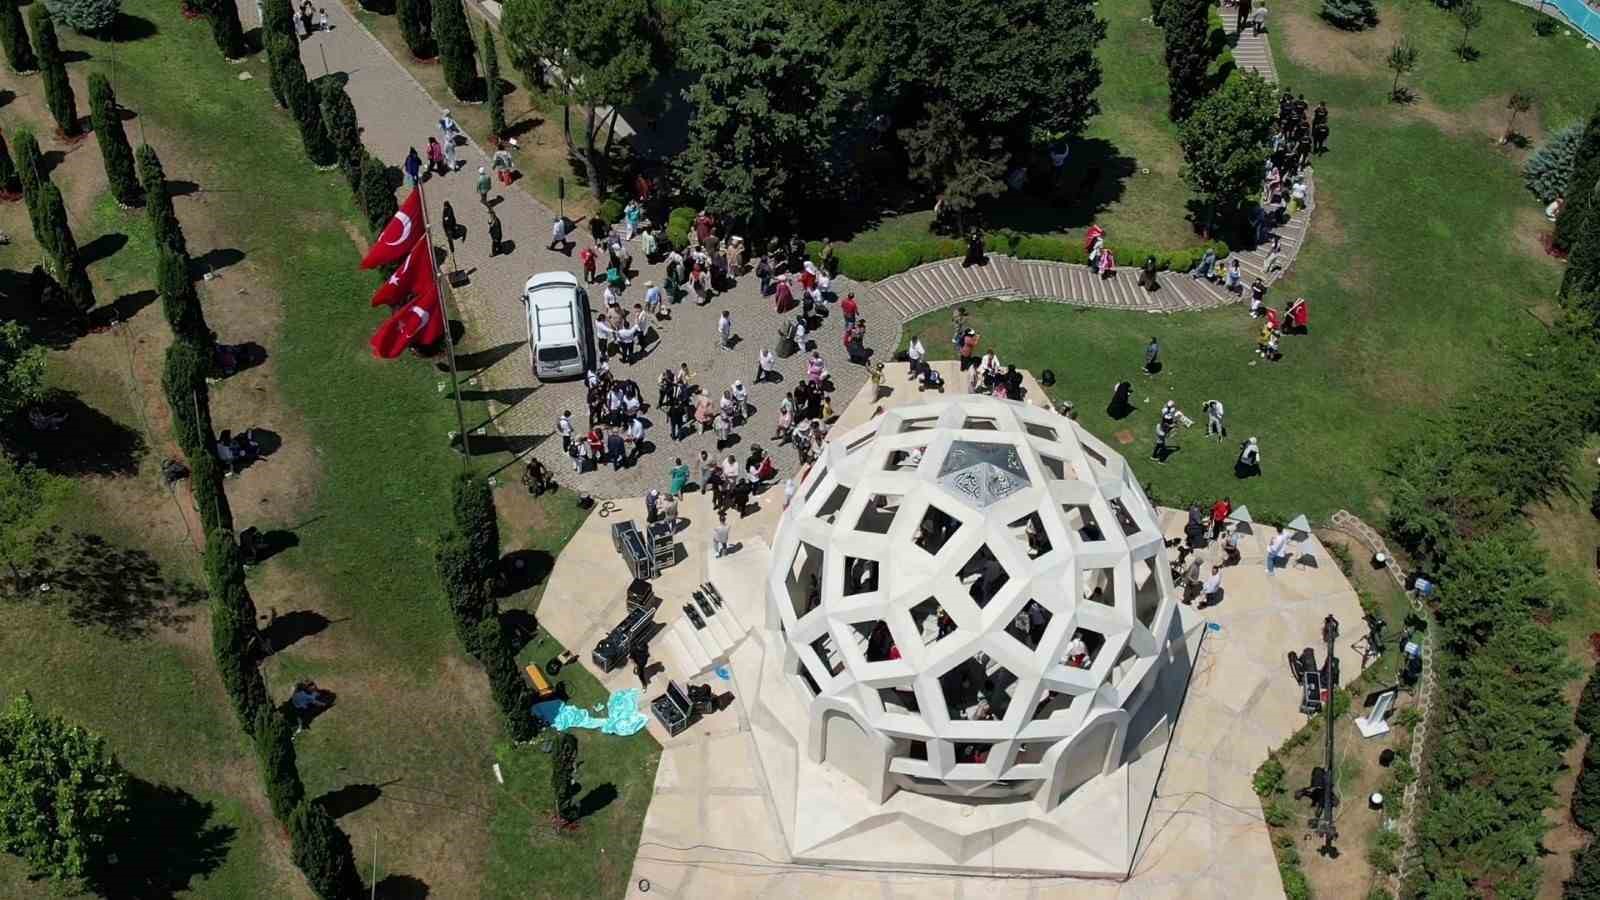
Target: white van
point(560, 340)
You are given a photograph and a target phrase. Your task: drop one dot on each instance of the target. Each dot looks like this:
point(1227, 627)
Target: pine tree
point(454, 37)
point(1585, 172)
point(158, 203)
point(226, 29)
point(14, 38)
point(1548, 168)
point(339, 119)
point(180, 300)
point(1586, 793)
point(1583, 263)
point(307, 111)
point(416, 26)
point(1188, 54)
point(491, 83)
point(1351, 15)
point(10, 185)
point(275, 754)
point(57, 87)
point(377, 197)
point(114, 149)
point(54, 234)
point(323, 853)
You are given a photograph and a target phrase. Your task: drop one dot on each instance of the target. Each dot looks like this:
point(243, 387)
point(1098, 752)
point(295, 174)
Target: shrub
point(511, 693)
point(1588, 713)
point(475, 518)
point(158, 203)
point(376, 198)
point(1295, 886)
point(14, 39)
point(493, 94)
point(85, 16)
point(234, 636)
point(275, 754)
point(113, 141)
point(456, 52)
point(61, 248)
point(183, 379)
point(27, 164)
point(1586, 793)
point(1277, 814)
point(58, 94)
point(1269, 778)
point(307, 111)
point(339, 120)
point(1585, 881)
point(416, 27)
point(1381, 855)
point(611, 212)
point(322, 851)
point(205, 480)
point(679, 223)
point(563, 778)
point(1585, 173)
point(465, 589)
point(1548, 169)
point(1351, 15)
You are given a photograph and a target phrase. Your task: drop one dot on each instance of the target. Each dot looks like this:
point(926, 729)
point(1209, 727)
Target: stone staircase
point(947, 282)
point(689, 652)
point(1251, 51)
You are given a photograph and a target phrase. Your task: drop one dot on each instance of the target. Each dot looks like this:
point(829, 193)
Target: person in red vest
point(848, 308)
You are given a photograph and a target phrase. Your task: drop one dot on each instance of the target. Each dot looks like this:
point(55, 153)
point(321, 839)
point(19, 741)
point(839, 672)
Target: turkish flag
point(420, 322)
point(403, 283)
point(397, 237)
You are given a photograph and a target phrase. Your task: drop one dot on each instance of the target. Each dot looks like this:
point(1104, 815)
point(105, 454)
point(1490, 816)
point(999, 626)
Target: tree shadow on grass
point(171, 839)
point(597, 799)
point(287, 629)
point(88, 442)
point(1096, 177)
point(119, 590)
point(134, 28)
point(350, 798)
point(402, 887)
point(215, 260)
point(523, 569)
point(121, 309)
point(103, 247)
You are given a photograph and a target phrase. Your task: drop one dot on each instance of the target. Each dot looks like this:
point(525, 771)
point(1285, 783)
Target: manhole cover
point(1124, 437)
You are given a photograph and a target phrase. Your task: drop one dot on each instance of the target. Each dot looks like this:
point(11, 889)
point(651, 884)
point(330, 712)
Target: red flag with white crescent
point(413, 270)
point(395, 241)
point(419, 322)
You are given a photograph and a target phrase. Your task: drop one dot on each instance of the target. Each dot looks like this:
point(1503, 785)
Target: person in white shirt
point(604, 337)
point(766, 365)
point(741, 400)
point(1249, 462)
point(725, 331)
point(788, 491)
point(611, 296)
point(719, 535)
point(564, 428)
point(1214, 412)
point(800, 333)
point(1276, 551)
point(635, 437)
point(627, 337)
point(1211, 591)
point(915, 354)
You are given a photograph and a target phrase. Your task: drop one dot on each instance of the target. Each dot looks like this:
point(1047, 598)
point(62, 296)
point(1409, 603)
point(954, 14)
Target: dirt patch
point(1318, 45)
point(1327, 227)
point(1529, 229)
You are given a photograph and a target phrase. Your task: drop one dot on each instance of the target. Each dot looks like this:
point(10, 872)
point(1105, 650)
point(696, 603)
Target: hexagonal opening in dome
point(804, 581)
point(932, 622)
point(1130, 526)
point(904, 460)
point(899, 700)
point(1053, 703)
point(977, 689)
point(832, 660)
point(860, 575)
point(1081, 518)
point(878, 514)
point(835, 501)
point(1028, 625)
point(876, 640)
point(936, 529)
point(1030, 533)
point(983, 576)
point(1083, 648)
point(1041, 431)
point(1146, 592)
point(1099, 586)
point(973, 752)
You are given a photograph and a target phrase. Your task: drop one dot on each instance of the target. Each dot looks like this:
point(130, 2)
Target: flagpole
point(444, 310)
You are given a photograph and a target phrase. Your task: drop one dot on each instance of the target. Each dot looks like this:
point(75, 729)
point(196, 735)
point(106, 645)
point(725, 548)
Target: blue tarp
point(622, 715)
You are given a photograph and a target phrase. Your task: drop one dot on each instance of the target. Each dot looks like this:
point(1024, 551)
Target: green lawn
point(413, 716)
point(1130, 135)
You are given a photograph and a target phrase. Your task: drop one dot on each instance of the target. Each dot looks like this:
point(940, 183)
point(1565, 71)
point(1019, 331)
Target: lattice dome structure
point(974, 598)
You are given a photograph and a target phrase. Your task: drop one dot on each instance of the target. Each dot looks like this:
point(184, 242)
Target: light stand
point(1324, 823)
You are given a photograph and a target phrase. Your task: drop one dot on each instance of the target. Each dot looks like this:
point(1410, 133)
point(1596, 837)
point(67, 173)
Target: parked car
point(560, 337)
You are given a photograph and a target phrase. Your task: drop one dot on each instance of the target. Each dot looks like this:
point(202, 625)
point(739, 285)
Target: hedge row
point(468, 562)
point(1456, 493)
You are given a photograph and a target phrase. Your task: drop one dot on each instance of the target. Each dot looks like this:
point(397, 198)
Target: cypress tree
point(29, 163)
point(416, 26)
point(55, 236)
point(563, 778)
point(158, 203)
point(180, 301)
point(10, 185)
point(1586, 792)
point(278, 18)
point(113, 142)
point(339, 119)
point(279, 771)
point(277, 46)
point(307, 111)
point(183, 380)
point(14, 38)
point(1583, 264)
point(376, 197)
point(1188, 53)
point(57, 87)
point(1585, 172)
point(455, 48)
point(323, 853)
point(507, 686)
point(226, 29)
point(491, 83)
point(476, 520)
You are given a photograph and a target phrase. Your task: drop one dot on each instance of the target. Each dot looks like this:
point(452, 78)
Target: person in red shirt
point(703, 226)
point(587, 256)
point(848, 308)
point(1219, 516)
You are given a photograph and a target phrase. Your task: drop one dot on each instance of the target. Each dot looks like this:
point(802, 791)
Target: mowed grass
point(414, 716)
point(1130, 135)
point(1416, 276)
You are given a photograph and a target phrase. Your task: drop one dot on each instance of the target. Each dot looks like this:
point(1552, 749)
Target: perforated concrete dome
point(970, 593)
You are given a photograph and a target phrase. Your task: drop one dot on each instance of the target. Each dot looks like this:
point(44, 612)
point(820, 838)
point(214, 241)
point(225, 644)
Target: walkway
point(1251, 51)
